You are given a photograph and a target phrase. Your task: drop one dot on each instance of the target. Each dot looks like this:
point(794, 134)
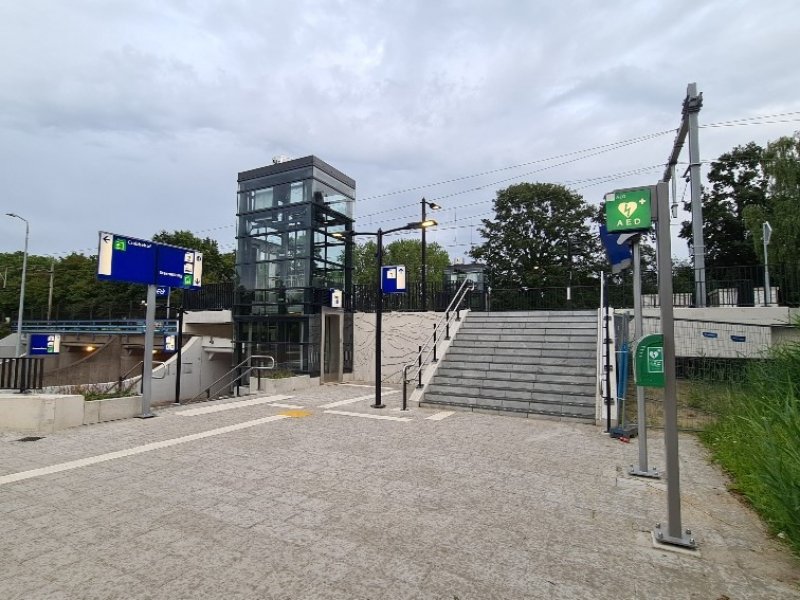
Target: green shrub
point(757, 440)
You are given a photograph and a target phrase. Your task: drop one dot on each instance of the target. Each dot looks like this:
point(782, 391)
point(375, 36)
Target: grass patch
point(756, 439)
point(98, 392)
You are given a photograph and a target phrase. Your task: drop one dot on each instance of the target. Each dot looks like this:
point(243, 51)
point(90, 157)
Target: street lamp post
point(22, 285)
point(379, 293)
point(433, 206)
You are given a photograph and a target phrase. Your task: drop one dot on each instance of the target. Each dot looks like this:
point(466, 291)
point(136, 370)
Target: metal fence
point(725, 287)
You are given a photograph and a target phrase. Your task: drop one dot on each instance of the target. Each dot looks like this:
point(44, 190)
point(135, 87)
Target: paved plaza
point(307, 497)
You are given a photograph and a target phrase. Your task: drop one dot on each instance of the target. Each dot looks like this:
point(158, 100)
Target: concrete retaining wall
point(45, 413)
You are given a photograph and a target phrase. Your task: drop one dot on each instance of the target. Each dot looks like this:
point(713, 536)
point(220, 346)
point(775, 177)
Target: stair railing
point(253, 363)
point(428, 351)
point(119, 384)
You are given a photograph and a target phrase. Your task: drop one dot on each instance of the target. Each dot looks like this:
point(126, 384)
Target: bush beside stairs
point(533, 364)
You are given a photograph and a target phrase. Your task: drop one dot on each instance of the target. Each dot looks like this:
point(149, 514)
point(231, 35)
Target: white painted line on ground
point(440, 415)
point(193, 412)
point(364, 385)
point(366, 416)
point(292, 406)
point(93, 460)
point(359, 399)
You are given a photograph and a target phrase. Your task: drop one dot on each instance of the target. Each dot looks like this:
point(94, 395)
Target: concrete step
point(470, 324)
point(532, 349)
point(522, 360)
point(522, 315)
point(533, 387)
point(514, 340)
point(581, 412)
point(535, 374)
point(545, 394)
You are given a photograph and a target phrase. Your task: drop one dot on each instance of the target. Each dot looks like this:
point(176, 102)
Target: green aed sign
point(649, 361)
point(628, 210)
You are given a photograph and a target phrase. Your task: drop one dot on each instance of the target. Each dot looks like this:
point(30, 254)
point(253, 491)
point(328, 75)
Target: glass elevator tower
point(287, 261)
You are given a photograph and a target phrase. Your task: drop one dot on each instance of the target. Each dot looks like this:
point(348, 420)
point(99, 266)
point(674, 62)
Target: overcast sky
point(136, 116)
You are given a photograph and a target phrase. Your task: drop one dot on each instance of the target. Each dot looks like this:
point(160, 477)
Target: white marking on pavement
point(192, 412)
point(93, 460)
point(359, 399)
point(358, 385)
point(440, 415)
point(293, 406)
point(366, 416)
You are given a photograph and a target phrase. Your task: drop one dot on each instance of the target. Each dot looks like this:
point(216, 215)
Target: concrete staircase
point(528, 363)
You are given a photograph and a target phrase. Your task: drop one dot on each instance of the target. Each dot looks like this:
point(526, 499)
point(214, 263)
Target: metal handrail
point(422, 358)
point(249, 368)
point(140, 367)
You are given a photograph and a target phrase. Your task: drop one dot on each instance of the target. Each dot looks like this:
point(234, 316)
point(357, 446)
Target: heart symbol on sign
point(628, 208)
point(654, 353)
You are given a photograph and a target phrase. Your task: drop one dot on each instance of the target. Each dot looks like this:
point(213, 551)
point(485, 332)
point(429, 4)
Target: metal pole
point(692, 107)
point(419, 369)
point(642, 469)
point(21, 310)
point(424, 247)
point(674, 534)
point(767, 289)
point(179, 349)
point(378, 323)
point(147, 360)
point(607, 348)
point(50, 290)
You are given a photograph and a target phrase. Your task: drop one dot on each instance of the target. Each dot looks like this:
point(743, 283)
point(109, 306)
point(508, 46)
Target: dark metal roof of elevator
point(297, 163)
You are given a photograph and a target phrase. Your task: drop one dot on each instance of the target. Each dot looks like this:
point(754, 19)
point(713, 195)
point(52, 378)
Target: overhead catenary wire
point(774, 118)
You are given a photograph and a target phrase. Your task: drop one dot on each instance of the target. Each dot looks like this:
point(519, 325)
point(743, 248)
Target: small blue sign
point(738, 338)
point(393, 279)
point(44, 343)
point(162, 292)
point(710, 334)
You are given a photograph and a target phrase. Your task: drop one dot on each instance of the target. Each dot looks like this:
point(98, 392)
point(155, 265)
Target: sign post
point(674, 535)
point(629, 213)
point(767, 234)
point(132, 260)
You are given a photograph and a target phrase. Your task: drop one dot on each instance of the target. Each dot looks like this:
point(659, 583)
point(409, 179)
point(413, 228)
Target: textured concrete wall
point(43, 413)
point(403, 333)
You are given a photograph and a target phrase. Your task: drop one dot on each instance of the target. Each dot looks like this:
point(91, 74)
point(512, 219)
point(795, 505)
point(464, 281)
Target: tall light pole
point(433, 206)
point(22, 285)
point(379, 293)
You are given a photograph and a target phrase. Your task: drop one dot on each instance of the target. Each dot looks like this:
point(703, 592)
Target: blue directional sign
point(393, 279)
point(131, 260)
point(44, 343)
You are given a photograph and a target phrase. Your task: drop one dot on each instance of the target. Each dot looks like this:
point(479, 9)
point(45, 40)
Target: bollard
point(435, 360)
point(447, 326)
point(405, 387)
point(419, 369)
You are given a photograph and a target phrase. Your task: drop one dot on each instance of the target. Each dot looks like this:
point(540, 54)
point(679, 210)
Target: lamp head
point(433, 205)
point(427, 223)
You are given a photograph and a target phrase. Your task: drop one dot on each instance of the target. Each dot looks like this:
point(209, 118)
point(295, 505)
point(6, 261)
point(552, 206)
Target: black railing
point(21, 374)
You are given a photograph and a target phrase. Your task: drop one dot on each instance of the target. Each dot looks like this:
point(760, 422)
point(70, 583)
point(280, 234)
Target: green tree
point(217, 267)
point(539, 235)
point(737, 181)
point(781, 165)
point(406, 252)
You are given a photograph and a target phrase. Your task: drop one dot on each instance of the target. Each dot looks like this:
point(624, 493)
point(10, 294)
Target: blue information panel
point(131, 260)
point(44, 343)
point(393, 279)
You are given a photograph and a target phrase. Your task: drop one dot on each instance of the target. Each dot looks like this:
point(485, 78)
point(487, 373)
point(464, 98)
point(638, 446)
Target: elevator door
point(332, 350)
